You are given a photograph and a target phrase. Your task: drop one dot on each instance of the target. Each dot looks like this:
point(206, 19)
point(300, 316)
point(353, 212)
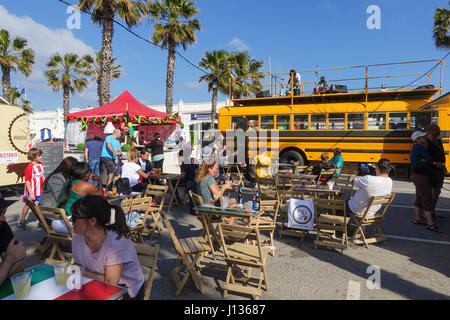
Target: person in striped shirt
point(34, 180)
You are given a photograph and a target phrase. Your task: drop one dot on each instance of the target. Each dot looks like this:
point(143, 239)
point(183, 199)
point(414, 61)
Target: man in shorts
point(111, 149)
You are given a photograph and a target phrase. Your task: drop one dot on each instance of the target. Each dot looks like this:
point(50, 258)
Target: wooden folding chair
point(141, 205)
point(267, 187)
point(57, 239)
point(155, 191)
point(324, 173)
point(189, 251)
point(148, 258)
point(365, 220)
point(248, 254)
point(344, 183)
point(267, 221)
point(328, 224)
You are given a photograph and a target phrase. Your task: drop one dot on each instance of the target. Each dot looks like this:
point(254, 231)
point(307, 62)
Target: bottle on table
point(240, 196)
point(256, 202)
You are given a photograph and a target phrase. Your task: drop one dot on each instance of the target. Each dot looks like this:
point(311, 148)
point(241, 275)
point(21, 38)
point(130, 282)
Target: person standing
point(297, 81)
point(34, 181)
point(92, 154)
point(110, 149)
point(421, 163)
point(157, 147)
point(436, 150)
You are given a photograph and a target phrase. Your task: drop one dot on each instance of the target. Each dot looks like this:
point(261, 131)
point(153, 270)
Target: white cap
point(417, 134)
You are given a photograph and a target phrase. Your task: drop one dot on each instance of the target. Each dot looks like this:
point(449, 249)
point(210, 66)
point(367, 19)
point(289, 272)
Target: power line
point(138, 36)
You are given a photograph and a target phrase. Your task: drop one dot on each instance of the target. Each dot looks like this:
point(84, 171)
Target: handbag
point(123, 186)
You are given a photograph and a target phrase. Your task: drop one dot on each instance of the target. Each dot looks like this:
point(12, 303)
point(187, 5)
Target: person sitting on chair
point(369, 186)
point(324, 164)
point(322, 86)
point(337, 160)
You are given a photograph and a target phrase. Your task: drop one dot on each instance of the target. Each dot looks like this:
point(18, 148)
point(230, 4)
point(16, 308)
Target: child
point(34, 180)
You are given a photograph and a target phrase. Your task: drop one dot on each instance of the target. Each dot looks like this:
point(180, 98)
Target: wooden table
point(207, 211)
point(172, 190)
point(282, 178)
point(118, 199)
point(43, 287)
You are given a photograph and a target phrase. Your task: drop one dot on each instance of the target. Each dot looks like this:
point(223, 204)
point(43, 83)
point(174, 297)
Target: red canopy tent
point(149, 120)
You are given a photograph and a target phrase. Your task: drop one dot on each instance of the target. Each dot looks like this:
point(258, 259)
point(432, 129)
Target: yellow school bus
point(369, 121)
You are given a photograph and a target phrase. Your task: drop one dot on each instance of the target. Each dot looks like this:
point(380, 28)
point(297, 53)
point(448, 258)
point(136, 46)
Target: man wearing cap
point(436, 150)
point(12, 253)
point(421, 169)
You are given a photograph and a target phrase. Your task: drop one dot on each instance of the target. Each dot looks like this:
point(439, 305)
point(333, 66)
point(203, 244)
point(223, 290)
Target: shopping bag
point(301, 214)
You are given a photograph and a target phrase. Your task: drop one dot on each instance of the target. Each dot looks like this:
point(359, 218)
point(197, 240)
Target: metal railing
point(245, 85)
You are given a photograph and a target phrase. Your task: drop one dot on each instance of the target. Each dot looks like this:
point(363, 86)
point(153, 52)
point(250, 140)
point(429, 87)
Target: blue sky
point(295, 34)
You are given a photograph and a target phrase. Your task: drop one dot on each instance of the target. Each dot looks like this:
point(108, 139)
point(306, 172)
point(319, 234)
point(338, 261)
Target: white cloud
point(45, 42)
point(238, 44)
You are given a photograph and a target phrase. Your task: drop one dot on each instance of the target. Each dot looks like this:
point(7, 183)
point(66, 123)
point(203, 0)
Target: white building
point(50, 124)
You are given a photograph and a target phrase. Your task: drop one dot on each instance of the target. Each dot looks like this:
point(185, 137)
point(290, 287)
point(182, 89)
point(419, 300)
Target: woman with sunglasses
point(101, 245)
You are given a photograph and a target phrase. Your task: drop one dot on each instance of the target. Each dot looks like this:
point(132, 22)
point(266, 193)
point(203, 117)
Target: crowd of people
point(101, 244)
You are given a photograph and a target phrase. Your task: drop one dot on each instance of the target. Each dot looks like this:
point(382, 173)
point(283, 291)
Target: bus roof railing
point(251, 84)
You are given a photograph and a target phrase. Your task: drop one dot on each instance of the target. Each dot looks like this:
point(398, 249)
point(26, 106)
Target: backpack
point(123, 186)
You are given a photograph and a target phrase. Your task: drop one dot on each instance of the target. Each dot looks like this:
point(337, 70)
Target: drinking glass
point(21, 284)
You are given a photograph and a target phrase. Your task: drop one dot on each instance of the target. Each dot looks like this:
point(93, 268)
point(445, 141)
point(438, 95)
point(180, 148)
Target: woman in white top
point(133, 171)
point(101, 245)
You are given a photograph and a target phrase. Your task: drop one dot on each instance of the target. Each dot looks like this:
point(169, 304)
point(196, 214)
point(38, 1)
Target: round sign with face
point(19, 134)
point(302, 214)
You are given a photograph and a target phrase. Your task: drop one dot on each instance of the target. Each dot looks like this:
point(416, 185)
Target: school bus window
point(355, 121)
point(267, 122)
point(283, 122)
point(336, 121)
point(412, 121)
point(301, 122)
point(252, 122)
point(376, 121)
point(434, 117)
point(234, 121)
point(318, 122)
point(398, 120)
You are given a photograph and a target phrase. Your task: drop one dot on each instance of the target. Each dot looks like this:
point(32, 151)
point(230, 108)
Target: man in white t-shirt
point(369, 186)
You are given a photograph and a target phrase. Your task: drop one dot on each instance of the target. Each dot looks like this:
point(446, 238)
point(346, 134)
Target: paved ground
point(413, 264)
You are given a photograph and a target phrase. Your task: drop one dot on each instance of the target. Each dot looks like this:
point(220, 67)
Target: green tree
point(95, 66)
point(246, 70)
point(15, 95)
point(14, 55)
point(441, 28)
point(217, 63)
point(69, 74)
point(175, 26)
point(103, 13)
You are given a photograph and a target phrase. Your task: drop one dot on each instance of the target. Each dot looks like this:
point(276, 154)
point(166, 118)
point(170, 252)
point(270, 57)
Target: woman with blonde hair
point(134, 172)
point(207, 186)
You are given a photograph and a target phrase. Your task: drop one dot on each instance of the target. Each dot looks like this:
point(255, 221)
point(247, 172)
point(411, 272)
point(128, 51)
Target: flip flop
point(434, 228)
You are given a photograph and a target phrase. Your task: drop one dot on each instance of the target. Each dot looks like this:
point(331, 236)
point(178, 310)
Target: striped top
point(112, 252)
point(35, 175)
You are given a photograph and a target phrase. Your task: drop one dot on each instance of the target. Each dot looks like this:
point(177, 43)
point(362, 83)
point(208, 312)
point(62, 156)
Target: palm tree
point(95, 66)
point(217, 63)
point(103, 13)
point(67, 73)
point(442, 28)
point(13, 55)
point(175, 27)
point(244, 67)
point(14, 94)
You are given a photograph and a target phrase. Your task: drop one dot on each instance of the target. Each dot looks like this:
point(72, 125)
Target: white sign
point(301, 214)
point(9, 157)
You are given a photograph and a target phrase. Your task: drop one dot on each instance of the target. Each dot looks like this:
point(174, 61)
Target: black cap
point(5, 203)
